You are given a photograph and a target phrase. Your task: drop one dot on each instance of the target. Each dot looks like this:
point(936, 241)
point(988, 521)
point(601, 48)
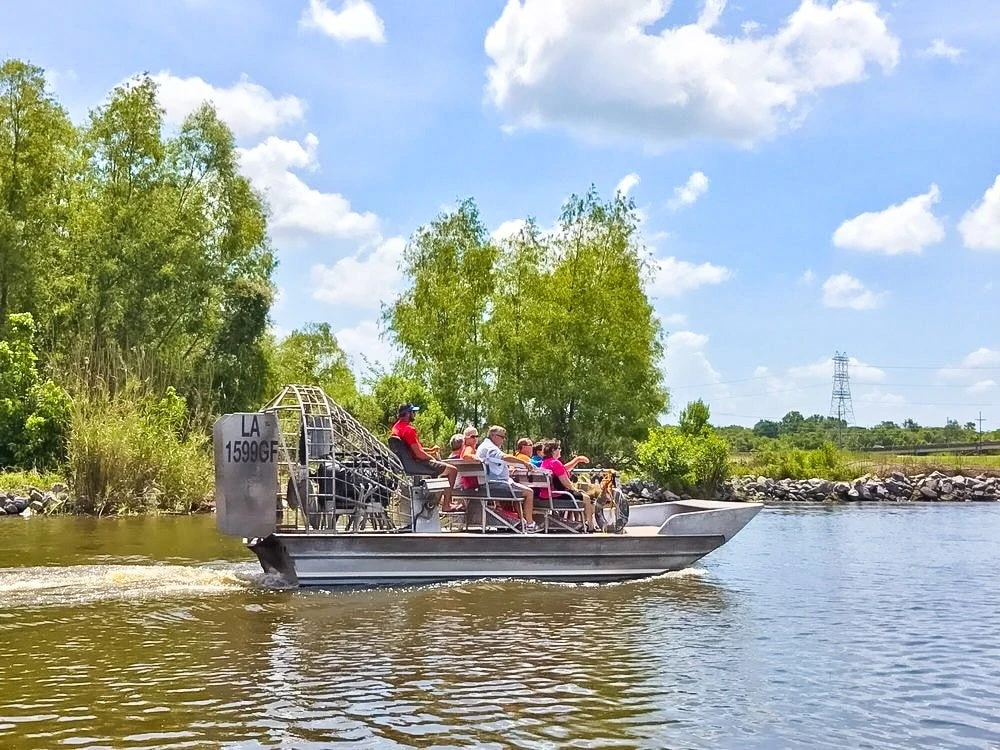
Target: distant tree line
point(812, 432)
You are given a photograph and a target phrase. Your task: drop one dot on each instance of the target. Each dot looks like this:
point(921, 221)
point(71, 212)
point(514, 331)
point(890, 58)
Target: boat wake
point(87, 584)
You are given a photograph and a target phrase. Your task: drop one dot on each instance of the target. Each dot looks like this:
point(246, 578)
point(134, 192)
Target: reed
point(132, 451)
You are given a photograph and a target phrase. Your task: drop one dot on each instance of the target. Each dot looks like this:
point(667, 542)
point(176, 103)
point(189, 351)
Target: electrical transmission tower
point(840, 401)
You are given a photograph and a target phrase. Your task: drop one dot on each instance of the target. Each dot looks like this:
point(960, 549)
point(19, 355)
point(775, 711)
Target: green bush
point(780, 461)
point(691, 463)
point(34, 414)
point(130, 452)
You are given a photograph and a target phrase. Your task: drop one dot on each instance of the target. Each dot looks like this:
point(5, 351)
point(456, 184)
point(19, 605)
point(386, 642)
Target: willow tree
point(166, 266)
point(598, 386)
point(36, 140)
point(517, 335)
point(439, 319)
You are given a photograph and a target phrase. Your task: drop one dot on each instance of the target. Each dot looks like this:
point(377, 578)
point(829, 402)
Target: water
point(849, 627)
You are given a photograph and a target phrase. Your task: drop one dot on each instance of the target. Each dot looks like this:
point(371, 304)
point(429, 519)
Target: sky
point(813, 177)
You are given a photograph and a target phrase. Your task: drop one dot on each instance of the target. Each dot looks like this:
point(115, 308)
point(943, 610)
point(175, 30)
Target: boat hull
point(671, 536)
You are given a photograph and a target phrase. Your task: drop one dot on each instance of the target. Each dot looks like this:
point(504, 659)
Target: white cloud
point(749, 27)
point(356, 19)
point(980, 226)
point(822, 369)
point(710, 14)
point(626, 183)
point(878, 396)
point(673, 320)
point(843, 290)
point(981, 386)
point(296, 208)
point(686, 194)
point(247, 107)
point(807, 278)
point(366, 279)
point(363, 345)
point(508, 229)
point(906, 227)
point(686, 364)
point(672, 277)
point(596, 69)
point(941, 48)
point(970, 369)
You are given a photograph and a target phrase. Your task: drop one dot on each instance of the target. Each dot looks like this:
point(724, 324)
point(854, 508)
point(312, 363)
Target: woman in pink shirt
point(551, 455)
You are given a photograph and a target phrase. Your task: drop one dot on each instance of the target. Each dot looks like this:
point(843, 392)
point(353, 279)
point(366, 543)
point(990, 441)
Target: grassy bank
point(832, 463)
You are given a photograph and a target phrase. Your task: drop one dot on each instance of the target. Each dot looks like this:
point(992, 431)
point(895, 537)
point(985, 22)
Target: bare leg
point(451, 473)
point(529, 505)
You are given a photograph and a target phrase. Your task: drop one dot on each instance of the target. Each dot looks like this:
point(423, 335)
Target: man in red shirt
point(428, 457)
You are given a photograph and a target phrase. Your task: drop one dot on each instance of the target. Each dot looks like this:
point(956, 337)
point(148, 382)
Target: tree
point(36, 139)
point(694, 418)
point(311, 355)
point(439, 319)
point(598, 386)
point(791, 423)
point(767, 428)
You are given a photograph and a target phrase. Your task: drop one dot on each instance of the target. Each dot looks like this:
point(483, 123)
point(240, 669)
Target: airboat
point(324, 502)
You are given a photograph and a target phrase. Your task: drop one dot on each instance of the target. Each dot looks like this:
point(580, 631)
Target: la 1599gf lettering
point(250, 451)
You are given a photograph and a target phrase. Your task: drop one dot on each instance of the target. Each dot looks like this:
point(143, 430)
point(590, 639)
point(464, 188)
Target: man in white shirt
point(498, 473)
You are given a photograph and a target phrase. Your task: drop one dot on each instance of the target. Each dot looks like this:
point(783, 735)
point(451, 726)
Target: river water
point(840, 627)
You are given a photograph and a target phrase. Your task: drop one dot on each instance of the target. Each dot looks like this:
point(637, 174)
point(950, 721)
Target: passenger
point(498, 472)
point(429, 457)
point(536, 454)
point(469, 437)
point(523, 450)
point(552, 451)
point(456, 444)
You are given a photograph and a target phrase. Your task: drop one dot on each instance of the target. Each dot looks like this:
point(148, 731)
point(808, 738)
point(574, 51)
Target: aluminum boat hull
point(671, 536)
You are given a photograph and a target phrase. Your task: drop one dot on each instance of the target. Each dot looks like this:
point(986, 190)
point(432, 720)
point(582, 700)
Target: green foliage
point(34, 414)
point(130, 452)
point(691, 463)
point(377, 409)
point(781, 461)
point(548, 334)
point(311, 356)
point(694, 418)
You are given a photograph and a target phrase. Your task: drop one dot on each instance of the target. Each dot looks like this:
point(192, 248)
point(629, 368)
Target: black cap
point(404, 408)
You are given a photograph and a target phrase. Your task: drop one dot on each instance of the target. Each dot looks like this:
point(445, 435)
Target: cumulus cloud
point(366, 279)
point(982, 386)
point(980, 226)
point(843, 290)
point(685, 362)
point(296, 208)
point(686, 194)
point(822, 369)
point(247, 107)
point(355, 20)
point(673, 320)
point(972, 364)
point(673, 277)
point(364, 346)
point(626, 183)
point(508, 229)
point(598, 69)
point(941, 48)
point(807, 278)
point(906, 227)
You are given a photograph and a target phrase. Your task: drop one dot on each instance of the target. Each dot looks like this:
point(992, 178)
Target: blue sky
point(813, 176)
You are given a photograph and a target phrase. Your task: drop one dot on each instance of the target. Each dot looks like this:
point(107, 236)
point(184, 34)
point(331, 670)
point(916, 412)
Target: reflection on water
point(846, 628)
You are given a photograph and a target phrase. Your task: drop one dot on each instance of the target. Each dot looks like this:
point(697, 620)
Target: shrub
point(34, 414)
point(784, 462)
point(697, 463)
point(129, 452)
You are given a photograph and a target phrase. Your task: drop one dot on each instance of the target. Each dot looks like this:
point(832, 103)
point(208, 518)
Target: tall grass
point(130, 451)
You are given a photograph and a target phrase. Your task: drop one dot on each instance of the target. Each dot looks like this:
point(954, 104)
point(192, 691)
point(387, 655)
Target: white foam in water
point(83, 584)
